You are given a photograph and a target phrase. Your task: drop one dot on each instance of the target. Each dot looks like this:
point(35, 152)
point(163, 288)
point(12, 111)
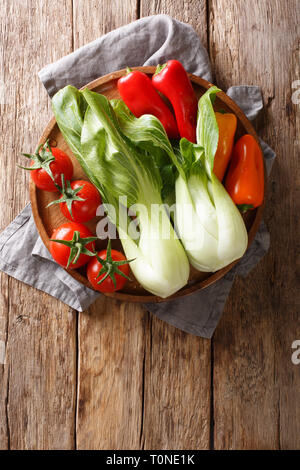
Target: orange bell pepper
point(245, 178)
point(227, 126)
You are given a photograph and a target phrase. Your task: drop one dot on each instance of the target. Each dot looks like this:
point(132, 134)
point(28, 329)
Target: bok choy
point(208, 222)
point(119, 167)
point(210, 226)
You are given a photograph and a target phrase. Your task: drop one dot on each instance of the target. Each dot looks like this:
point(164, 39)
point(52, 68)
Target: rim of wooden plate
point(188, 289)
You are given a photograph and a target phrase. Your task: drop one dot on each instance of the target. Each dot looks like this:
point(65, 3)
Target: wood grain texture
point(193, 12)
point(110, 392)
point(142, 383)
point(176, 409)
point(37, 390)
point(177, 390)
point(256, 403)
point(111, 334)
point(93, 18)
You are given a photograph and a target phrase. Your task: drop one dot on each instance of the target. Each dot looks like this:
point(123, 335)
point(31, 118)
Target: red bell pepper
point(140, 96)
point(172, 80)
point(245, 178)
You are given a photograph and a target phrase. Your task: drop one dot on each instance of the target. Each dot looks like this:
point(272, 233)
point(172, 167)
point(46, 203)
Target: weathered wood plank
point(177, 389)
point(4, 431)
point(192, 12)
point(177, 367)
point(38, 379)
point(256, 386)
point(111, 351)
point(91, 19)
point(141, 382)
point(111, 338)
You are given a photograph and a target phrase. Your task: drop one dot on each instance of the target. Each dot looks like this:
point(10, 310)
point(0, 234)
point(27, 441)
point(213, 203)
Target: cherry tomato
point(107, 285)
point(82, 211)
point(80, 243)
point(61, 165)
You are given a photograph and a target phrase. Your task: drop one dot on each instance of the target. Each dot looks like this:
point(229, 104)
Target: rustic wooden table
point(116, 377)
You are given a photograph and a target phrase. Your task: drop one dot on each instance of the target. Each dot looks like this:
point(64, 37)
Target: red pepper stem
point(128, 70)
point(159, 68)
point(243, 208)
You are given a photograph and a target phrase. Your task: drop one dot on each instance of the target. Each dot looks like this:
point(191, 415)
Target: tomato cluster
point(72, 244)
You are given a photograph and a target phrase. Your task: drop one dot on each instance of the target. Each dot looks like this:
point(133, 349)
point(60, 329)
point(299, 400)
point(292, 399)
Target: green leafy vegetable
point(121, 169)
point(208, 222)
point(117, 151)
point(207, 128)
point(160, 263)
point(148, 133)
point(69, 107)
point(133, 157)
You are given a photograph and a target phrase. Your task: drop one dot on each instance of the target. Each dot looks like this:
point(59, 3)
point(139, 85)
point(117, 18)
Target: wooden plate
point(47, 219)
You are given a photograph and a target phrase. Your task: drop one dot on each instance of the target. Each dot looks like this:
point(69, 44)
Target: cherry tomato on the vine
point(80, 201)
point(72, 245)
point(60, 165)
point(108, 271)
point(48, 164)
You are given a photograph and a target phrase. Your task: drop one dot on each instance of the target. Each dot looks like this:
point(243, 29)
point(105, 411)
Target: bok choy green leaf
point(147, 133)
point(69, 107)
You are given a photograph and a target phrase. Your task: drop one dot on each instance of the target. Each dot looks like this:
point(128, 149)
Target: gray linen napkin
point(20, 244)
